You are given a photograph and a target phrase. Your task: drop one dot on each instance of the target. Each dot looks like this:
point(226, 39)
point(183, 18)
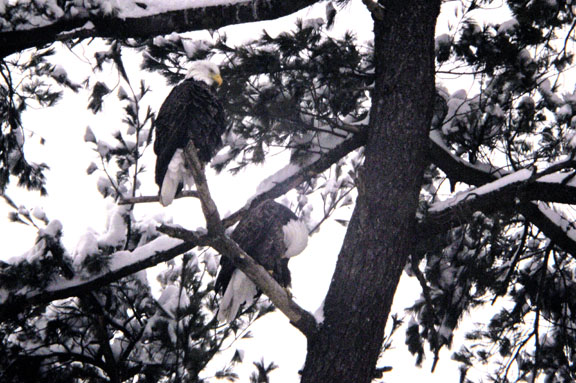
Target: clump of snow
point(276, 178)
point(104, 185)
point(59, 72)
point(315, 23)
point(53, 229)
point(458, 109)
point(564, 113)
point(103, 148)
point(89, 135)
point(87, 245)
point(545, 90)
point(116, 227)
point(193, 46)
point(319, 313)
point(38, 213)
point(172, 299)
point(525, 58)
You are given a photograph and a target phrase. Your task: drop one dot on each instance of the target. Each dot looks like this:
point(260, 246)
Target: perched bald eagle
point(191, 111)
point(271, 234)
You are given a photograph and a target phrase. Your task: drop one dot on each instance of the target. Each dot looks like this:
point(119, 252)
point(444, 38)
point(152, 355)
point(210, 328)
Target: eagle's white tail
point(176, 174)
point(240, 290)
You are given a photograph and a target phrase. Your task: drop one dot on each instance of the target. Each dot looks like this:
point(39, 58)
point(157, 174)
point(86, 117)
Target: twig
point(155, 198)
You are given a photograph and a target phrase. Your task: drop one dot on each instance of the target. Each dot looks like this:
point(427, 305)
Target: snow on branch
point(289, 180)
point(143, 23)
point(123, 264)
point(501, 191)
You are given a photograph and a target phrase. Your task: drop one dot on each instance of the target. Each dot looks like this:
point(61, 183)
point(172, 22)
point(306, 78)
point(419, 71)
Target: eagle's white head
point(206, 71)
point(295, 237)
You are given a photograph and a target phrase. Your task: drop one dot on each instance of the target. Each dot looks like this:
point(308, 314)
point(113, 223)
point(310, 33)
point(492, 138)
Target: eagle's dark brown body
point(271, 234)
point(191, 111)
point(261, 236)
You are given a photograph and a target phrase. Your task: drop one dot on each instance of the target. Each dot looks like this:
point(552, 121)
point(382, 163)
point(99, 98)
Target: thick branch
point(540, 189)
point(324, 162)
point(492, 197)
point(147, 256)
point(299, 317)
point(185, 20)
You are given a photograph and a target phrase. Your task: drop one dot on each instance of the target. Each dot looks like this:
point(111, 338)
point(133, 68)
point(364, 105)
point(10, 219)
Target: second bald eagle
point(191, 111)
point(271, 234)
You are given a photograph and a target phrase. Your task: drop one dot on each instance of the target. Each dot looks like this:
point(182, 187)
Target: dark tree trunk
point(380, 234)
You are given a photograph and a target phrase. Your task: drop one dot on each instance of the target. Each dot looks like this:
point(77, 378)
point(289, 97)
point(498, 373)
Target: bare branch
point(155, 198)
point(209, 207)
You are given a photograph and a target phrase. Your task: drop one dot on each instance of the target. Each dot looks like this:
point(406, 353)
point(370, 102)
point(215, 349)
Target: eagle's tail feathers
point(176, 175)
point(240, 290)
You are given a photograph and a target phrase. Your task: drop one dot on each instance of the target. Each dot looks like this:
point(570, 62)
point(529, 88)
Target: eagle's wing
point(261, 236)
point(191, 111)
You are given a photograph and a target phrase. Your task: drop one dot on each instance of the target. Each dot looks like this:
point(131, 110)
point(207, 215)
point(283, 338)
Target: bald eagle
point(271, 234)
point(191, 111)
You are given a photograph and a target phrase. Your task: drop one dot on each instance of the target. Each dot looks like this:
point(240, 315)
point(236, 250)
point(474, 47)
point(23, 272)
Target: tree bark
point(380, 234)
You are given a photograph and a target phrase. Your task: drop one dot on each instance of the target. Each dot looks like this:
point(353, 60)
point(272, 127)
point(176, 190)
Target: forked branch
point(217, 238)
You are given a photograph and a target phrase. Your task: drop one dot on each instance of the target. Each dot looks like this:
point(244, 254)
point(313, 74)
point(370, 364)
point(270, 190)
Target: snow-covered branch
point(499, 191)
point(123, 264)
point(144, 23)
point(288, 181)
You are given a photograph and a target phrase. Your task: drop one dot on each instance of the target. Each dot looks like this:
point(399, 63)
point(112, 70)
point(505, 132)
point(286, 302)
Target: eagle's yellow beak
point(217, 78)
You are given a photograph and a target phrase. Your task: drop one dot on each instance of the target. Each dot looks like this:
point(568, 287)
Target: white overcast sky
point(74, 200)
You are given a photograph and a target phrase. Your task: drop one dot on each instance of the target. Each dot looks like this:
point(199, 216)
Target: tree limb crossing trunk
point(376, 246)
